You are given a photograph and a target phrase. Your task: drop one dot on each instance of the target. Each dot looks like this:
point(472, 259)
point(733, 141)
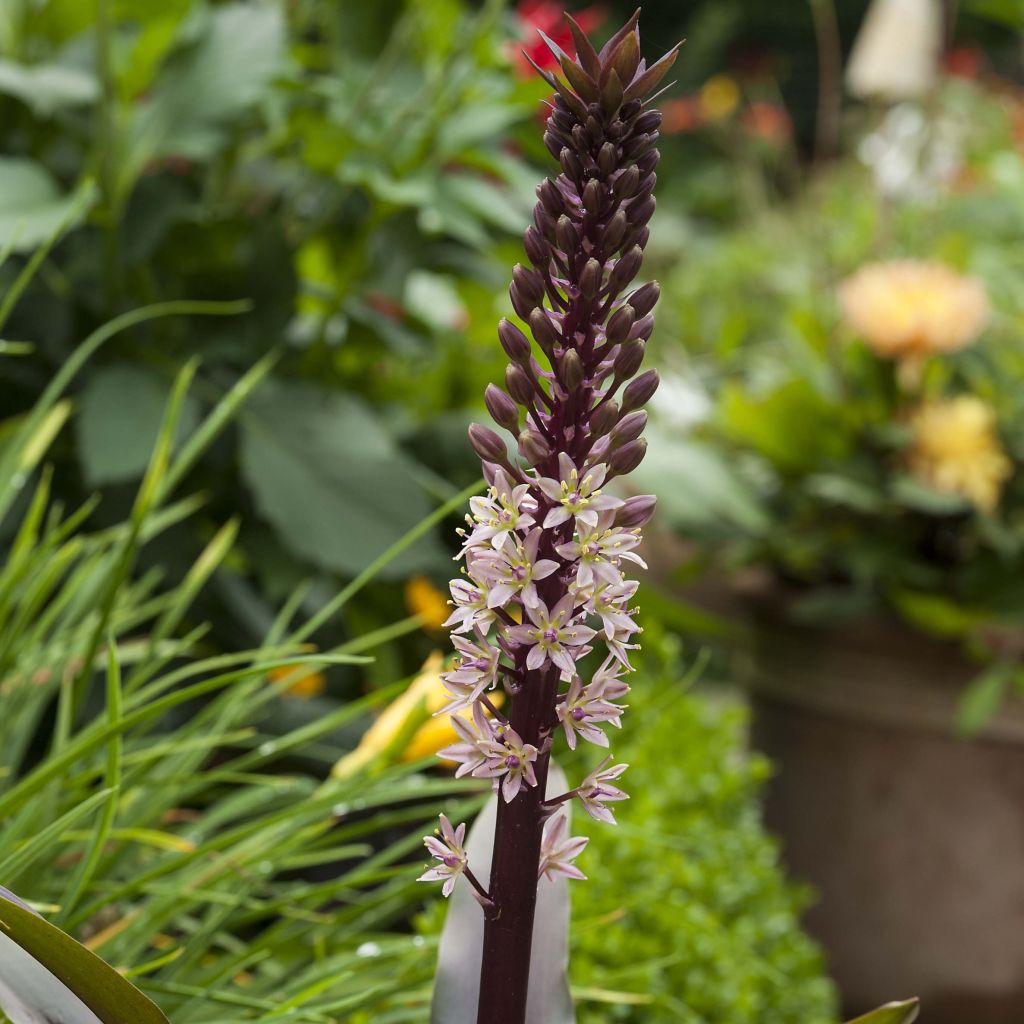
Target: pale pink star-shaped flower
point(511, 762)
point(584, 710)
point(449, 851)
point(557, 854)
point(596, 790)
point(476, 671)
point(552, 635)
point(575, 497)
point(513, 571)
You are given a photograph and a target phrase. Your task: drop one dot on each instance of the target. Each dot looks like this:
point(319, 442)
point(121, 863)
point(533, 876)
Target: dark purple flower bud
point(643, 328)
point(647, 183)
point(544, 222)
point(535, 247)
point(625, 459)
point(641, 210)
point(637, 145)
point(619, 324)
point(593, 195)
point(565, 235)
point(644, 299)
point(627, 362)
point(533, 447)
point(636, 512)
point(626, 183)
point(553, 143)
point(516, 344)
point(599, 452)
point(572, 370)
point(625, 270)
point(530, 283)
point(523, 305)
point(638, 236)
point(649, 121)
point(631, 109)
point(629, 428)
point(520, 384)
point(616, 129)
point(503, 410)
point(607, 158)
point(570, 164)
point(594, 129)
point(648, 161)
point(547, 335)
point(487, 444)
point(640, 391)
point(551, 197)
point(580, 138)
point(603, 418)
point(614, 231)
point(590, 278)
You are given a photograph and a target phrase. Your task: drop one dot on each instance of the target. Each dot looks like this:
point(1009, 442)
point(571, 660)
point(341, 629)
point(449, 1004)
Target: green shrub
point(686, 916)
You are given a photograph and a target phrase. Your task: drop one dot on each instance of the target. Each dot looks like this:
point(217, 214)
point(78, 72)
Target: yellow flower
point(307, 682)
point(406, 729)
point(955, 450)
point(719, 97)
point(908, 309)
point(423, 598)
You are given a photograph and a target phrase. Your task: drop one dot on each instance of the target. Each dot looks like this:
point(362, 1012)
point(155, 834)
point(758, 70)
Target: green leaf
point(935, 613)
point(983, 697)
point(922, 498)
point(121, 411)
point(236, 54)
point(331, 480)
point(793, 425)
point(48, 87)
point(32, 206)
point(71, 969)
point(892, 1013)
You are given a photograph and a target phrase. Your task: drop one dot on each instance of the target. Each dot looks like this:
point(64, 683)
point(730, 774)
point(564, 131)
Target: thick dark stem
point(508, 926)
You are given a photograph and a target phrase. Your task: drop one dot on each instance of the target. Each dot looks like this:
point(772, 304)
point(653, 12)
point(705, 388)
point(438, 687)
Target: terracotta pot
point(913, 838)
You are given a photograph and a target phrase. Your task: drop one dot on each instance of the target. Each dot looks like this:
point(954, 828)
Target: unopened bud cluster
point(546, 551)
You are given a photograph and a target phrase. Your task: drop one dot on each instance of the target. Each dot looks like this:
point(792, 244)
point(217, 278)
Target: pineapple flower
point(509, 762)
point(449, 853)
point(514, 569)
point(599, 552)
point(596, 790)
point(476, 671)
point(574, 498)
point(550, 636)
point(557, 854)
point(547, 549)
point(472, 607)
point(955, 449)
point(586, 707)
point(909, 310)
point(503, 510)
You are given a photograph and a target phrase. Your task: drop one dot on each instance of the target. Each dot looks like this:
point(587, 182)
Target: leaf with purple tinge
point(892, 1013)
point(457, 983)
point(46, 977)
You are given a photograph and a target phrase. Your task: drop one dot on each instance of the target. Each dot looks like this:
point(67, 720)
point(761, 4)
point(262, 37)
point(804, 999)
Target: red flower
point(548, 16)
point(767, 121)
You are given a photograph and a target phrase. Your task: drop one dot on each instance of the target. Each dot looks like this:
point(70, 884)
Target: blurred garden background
point(252, 259)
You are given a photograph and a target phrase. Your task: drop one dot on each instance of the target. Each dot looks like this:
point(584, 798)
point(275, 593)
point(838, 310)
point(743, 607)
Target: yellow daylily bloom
point(423, 598)
point(406, 729)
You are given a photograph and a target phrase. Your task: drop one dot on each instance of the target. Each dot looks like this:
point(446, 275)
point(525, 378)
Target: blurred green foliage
point(786, 443)
point(686, 916)
point(345, 168)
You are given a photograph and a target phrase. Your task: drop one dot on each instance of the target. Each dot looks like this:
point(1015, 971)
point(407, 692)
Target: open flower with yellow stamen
point(910, 309)
point(955, 449)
